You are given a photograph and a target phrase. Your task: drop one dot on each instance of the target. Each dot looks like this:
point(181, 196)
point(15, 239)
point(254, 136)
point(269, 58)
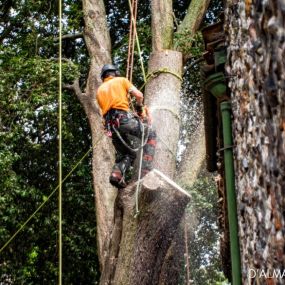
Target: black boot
point(148, 153)
point(117, 177)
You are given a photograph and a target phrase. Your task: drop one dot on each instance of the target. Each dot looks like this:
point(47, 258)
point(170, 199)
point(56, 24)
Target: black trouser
point(125, 127)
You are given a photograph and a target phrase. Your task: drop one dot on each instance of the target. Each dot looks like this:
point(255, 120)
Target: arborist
point(122, 124)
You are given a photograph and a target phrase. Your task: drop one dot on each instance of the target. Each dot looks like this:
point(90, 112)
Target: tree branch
point(190, 24)
point(75, 88)
point(82, 97)
point(194, 16)
point(193, 158)
point(69, 37)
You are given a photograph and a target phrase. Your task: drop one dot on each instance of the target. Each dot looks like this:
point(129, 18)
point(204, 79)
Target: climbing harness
point(112, 122)
point(144, 140)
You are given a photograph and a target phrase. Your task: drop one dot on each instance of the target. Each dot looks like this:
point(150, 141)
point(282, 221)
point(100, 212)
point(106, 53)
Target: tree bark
point(139, 250)
point(189, 26)
point(139, 245)
point(98, 43)
point(193, 158)
point(162, 24)
point(175, 259)
point(256, 78)
point(194, 16)
point(163, 99)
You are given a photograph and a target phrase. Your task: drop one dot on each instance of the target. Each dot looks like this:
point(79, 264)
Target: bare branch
point(63, 59)
point(194, 16)
point(75, 88)
point(193, 157)
point(86, 101)
point(189, 26)
point(69, 37)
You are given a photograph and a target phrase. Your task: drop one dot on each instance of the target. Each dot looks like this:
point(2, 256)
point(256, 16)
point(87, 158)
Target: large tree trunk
point(162, 97)
point(162, 24)
point(140, 244)
point(256, 72)
point(98, 43)
point(193, 159)
point(139, 251)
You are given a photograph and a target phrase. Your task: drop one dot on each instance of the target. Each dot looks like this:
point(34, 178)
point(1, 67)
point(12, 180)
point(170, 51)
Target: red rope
point(133, 39)
point(130, 43)
point(132, 35)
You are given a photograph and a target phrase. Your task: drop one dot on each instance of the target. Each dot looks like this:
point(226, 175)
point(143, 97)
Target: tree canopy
point(28, 134)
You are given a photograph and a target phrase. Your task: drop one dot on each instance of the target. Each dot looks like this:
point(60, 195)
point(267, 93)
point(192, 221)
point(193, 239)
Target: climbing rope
point(144, 138)
point(137, 40)
point(131, 45)
point(60, 150)
point(48, 198)
point(133, 35)
point(139, 175)
point(187, 265)
point(156, 73)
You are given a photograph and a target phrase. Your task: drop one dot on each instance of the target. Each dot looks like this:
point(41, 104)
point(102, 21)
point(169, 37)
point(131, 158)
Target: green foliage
point(204, 250)
point(28, 171)
point(189, 44)
point(28, 149)
point(28, 137)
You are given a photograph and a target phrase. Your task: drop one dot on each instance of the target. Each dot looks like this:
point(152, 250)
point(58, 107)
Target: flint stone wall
point(256, 69)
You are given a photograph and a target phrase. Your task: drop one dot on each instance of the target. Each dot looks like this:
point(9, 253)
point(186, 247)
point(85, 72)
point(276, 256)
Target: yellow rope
point(139, 174)
point(156, 73)
point(61, 181)
point(48, 198)
point(163, 70)
point(146, 78)
point(137, 42)
point(60, 151)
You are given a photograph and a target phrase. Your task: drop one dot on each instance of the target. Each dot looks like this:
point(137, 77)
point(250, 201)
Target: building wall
point(256, 70)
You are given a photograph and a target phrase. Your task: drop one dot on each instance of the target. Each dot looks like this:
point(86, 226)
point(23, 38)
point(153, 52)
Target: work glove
point(139, 109)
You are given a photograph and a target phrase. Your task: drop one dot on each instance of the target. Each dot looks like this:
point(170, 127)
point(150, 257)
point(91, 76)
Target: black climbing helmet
point(107, 68)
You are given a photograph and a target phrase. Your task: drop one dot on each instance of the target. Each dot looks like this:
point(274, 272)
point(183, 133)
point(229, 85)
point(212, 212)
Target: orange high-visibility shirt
point(113, 94)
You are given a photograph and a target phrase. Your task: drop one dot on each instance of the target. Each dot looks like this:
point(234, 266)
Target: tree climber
point(121, 124)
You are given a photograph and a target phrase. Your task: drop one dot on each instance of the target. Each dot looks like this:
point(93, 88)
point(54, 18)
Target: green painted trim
point(231, 195)
point(216, 84)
